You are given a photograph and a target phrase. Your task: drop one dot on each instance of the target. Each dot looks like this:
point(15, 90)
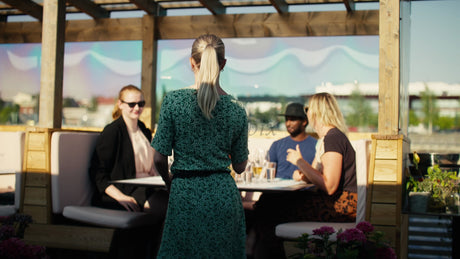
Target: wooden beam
point(389, 67)
point(214, 6)
point(104, 30)
point(349, 5)
point(337, 23)
point(90, 8)
point(280, 6)
point(149, 6)
point(21, 32)
point(303, 24)
point(28, 7)
point(52, 67)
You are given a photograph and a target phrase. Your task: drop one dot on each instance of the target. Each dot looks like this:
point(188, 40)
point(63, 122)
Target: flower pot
point(452, 203)
point(418, 201)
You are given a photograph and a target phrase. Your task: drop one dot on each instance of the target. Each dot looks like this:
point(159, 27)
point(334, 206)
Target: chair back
point(11, 160)
point(361, 148)
point(71, 154)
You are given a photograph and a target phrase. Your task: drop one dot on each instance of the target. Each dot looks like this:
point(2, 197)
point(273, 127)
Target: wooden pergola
point(51, 28)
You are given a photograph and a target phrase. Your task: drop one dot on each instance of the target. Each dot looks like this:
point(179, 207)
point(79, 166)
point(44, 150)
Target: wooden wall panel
point(70, 237)
point(383, 214)
point(386, 149)
point(40, 214)
point(384, 170)
point(36, 196)
point(390, 233)
point(36, 141)
point(384, 192)
point(37, 179)
point(37, 160)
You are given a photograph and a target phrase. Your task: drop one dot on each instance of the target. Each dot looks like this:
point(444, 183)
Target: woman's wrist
point(299, 162)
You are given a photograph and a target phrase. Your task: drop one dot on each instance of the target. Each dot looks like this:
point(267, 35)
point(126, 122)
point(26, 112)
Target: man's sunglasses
point(132, 105)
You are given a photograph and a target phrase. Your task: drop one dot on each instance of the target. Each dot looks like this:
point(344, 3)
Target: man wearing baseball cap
point(296, 122)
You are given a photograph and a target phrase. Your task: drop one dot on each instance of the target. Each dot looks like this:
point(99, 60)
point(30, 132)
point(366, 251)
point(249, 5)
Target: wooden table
point(254, 186)
point(7, 171)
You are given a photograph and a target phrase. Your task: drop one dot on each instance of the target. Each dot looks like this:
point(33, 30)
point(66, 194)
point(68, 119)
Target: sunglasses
point(132, 105)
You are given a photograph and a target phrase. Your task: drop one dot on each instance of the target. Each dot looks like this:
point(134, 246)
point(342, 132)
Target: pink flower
point(324, 230)
point(365, 227)
point(352, 234)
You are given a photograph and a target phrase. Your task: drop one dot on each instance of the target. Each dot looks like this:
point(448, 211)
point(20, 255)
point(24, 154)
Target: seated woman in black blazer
point(123, 151)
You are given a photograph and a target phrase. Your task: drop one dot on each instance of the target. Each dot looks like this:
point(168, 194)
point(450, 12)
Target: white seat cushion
point(70, 159)
point(11, 159)
point(293, 230)
point(7, 210)
point(109, 218)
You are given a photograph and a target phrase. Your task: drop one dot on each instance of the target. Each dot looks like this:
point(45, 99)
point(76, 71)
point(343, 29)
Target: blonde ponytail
point(208, 51)
point(207, 80)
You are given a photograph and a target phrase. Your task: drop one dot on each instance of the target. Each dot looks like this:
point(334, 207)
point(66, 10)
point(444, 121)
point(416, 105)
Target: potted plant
point(436, 191)
point(445, 186)
point(419, 193)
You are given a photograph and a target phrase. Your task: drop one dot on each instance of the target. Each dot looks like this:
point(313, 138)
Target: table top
point(277, 185)
point(7, 171)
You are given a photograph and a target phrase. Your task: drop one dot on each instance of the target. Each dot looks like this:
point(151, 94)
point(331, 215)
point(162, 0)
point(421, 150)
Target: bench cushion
point(11, 159)
point(7, 210)
point(293, 230)
point(70, 158)
point(109, 217)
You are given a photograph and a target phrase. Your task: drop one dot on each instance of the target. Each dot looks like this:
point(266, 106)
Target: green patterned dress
point(205, 217)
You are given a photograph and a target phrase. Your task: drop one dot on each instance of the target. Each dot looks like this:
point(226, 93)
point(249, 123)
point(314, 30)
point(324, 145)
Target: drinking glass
point(271, 171)
point(259, 159)
point(247, 174)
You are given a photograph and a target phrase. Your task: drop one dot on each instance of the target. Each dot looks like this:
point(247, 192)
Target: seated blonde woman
point(333, 171)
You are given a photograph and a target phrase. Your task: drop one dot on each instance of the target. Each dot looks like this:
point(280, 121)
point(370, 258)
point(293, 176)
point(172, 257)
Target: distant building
point(27, 108)
point(448, 95)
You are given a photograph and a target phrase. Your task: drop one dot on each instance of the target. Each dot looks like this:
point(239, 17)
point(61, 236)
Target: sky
point(435, 41)
point(259, 66)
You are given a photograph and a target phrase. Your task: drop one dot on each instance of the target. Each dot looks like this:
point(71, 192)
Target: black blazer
point(113, 158)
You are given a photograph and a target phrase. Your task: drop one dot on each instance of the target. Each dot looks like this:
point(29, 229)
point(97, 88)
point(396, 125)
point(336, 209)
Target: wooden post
point(52, 66)
point(384, 197)
point(389, 67)
point(149, 67)
point(389, 147)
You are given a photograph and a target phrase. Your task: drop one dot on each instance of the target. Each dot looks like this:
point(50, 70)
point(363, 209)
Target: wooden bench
point(11, 159)
point(82, 226)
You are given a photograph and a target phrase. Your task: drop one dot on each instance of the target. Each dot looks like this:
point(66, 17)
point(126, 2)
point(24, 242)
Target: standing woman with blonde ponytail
point(208, 131)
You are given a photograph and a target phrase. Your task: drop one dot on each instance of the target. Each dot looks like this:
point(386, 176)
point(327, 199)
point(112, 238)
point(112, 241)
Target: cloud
point(22, 63)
